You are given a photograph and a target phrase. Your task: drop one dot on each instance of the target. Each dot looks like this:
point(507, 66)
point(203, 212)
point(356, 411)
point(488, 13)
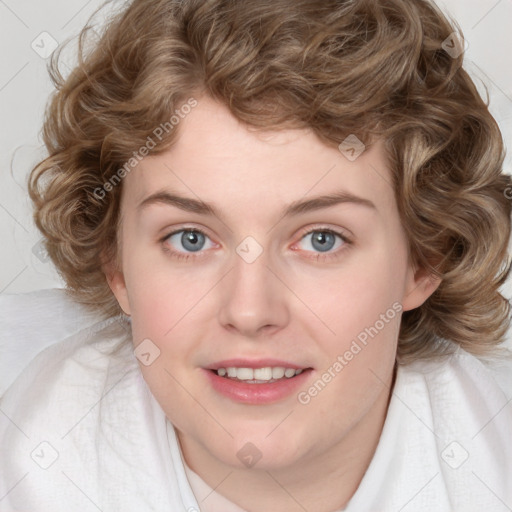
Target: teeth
point(277, 372)
point(259, 374)
point(262, 373)
point(243, 373)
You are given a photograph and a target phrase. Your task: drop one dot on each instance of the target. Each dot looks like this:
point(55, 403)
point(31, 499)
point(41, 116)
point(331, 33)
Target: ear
point(116, 282)
point(420, 285)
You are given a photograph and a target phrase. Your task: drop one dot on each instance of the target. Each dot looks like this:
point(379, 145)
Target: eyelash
point(328, 256)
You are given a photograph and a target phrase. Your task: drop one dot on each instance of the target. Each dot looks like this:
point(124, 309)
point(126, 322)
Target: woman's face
point(242, 249)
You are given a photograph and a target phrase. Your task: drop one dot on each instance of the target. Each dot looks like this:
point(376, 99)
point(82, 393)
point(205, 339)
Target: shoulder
point(34, 321)
point(78, 426)
point(462, 384)
point(463, 373)
point(466, 401)
point(83, 358)
point(446, 443)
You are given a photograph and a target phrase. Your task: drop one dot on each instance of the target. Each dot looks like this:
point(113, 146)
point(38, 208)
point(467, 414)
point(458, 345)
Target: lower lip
point(257, 394)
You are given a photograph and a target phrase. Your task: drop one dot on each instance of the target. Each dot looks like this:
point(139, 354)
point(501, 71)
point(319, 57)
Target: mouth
point(257, 382)
point(264, 375)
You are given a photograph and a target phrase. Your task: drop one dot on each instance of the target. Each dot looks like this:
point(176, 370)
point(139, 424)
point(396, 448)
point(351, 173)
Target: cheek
point(352, 298)
point(162, 295)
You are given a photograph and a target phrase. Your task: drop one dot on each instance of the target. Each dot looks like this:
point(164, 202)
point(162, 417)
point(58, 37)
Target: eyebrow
point(189, 204)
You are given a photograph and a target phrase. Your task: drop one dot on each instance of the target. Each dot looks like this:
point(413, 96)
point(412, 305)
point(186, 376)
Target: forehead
point(220, 160)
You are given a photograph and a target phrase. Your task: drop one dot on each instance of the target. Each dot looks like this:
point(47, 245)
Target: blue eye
point(323, 244)
point(324, 240)
point(192, 240)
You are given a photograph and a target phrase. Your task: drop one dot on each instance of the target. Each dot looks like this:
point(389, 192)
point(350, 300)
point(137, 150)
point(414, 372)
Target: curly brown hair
point(377, 69)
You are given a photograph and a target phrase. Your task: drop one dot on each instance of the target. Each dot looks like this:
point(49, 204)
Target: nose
point(254, 299)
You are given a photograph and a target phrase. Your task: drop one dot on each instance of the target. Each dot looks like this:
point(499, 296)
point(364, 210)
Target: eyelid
point(341, 232)
point(187, 228)
point(168, 232)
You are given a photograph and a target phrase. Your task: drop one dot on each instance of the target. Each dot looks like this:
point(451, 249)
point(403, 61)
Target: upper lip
point(254, 363)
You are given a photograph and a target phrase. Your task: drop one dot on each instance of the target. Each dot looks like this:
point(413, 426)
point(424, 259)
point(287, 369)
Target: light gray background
point(25, 87)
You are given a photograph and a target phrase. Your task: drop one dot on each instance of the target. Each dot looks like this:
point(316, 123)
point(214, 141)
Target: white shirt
point(80, 430)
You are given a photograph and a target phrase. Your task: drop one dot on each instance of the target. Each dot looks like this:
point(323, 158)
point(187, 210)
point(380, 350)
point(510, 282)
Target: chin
point(259, 450)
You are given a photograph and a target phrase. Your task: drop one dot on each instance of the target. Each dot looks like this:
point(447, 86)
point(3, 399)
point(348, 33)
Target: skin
point(287, 304)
